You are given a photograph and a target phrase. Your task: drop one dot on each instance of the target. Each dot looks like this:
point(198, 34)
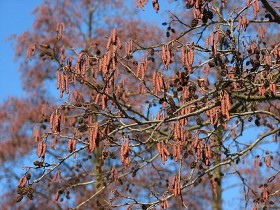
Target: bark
point(217, 196)
point(217, 199)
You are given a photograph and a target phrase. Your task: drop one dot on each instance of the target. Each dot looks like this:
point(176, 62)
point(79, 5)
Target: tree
point(146, 120)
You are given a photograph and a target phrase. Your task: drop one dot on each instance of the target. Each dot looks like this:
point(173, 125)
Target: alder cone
point(19, 198)
point(189, 6)
point(210, 15)
point(194, 22)
point(205, 19)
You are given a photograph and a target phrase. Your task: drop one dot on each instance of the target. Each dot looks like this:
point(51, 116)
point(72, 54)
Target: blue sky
point(15, 17)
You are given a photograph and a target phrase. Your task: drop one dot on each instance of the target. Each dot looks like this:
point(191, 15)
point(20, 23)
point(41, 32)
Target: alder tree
point(146, 116)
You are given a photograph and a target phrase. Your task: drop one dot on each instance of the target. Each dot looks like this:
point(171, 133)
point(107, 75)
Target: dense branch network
point(140, 109)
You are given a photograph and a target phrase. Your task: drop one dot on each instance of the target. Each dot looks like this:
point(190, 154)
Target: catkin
point(39, 149)
point(183, 55)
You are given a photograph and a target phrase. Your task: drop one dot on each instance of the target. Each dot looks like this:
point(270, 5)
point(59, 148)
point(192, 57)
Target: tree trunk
point(217, 196)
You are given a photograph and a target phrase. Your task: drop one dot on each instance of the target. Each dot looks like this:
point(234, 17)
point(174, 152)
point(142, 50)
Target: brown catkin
point(191, 56)
point(178, 188)
point(114, 173)
point(175, 188)
point(183, 55)
point(96, 127)
point(52, 121)
point(22, 181)
point(239, 23)
point(66, 84)
point(207, 43)
point(216, 114)
point(267, 160)
point(59, 29)
point(100, 66)
point(127, 48)
point(142, 71)
point(31, 50)
point(109, 43)
point(138, 70)
point(93, 136)
point(176, 133)
point(104, 102)
point(125, 154)
point(114, 36)
point(163, 54)
point(217, 37)
point(53, 142)
point(215, 49)
point(257, 5)
point(272, 88)
point(179, 156)
point(62, 53)
point(119, 43)
point(163, 159)
point(104, 66)
point(166, 151)
point(174, 150)
point(155, 5)
point(58, 80)
point(189, 69)
point(154, 75)
point(256, 163)
point(108, 58)
point(40, 149)
point(44, 149)
point(159, 147)
point(44, 110)
point(166, 204)
point(268, 59)
point(246, 20)
point(243, 23)
point(225, 105)
point(210, 114)
point(57, 118)
point(97, 98)
point(130, 46)
point(211, 39)
point(114, 64)
point(161, 81)
point(57, 177)
point(254, 9)
point(62, 85)
point(56, 196)
point(69, 145)
point(157, 87)
point(91, 140)
point(36, 134)
point(74, 146)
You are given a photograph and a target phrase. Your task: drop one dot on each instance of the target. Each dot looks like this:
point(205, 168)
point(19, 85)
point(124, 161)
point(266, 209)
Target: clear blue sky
point(15, 17)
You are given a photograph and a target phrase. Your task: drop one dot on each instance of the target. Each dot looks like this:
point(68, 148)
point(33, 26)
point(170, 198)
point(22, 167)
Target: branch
point(254, 98)
point(226, 162)
point(58, 164)
point(272, 11)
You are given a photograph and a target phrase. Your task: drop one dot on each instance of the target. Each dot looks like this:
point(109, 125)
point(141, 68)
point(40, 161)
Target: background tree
point(146, 120)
